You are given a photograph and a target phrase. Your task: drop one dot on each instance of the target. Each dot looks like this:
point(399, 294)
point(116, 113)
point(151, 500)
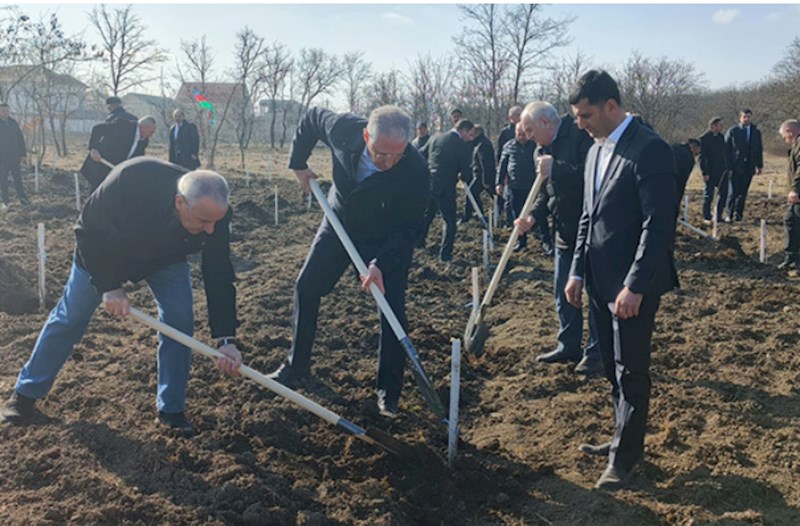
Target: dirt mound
point(17, 289)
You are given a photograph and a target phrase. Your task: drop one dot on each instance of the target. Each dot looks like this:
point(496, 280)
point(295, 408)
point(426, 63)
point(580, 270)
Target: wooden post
point(276, 205)
point(42, 260)
point(715, 221)
point(36, 174)
point(769, 192)
point(495, 211)
point(762, 252)
point(455, 380)
point(77, 192)
point(476, 289)
point(686, 208)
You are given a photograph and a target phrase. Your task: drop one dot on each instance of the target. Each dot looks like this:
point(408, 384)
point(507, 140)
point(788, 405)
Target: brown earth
point(723, 447)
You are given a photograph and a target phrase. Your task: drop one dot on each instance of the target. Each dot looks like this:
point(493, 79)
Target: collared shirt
point(607, 146)
point(136, 138)
point(747, 129)
point(177, 128)
point(365, 166)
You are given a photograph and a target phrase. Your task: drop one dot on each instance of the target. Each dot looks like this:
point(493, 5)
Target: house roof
point(9, 74)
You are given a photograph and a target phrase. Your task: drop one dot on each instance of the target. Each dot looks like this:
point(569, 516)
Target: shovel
point(476, 332)
point(475, 206)
point(371, 436)
point(428, 392)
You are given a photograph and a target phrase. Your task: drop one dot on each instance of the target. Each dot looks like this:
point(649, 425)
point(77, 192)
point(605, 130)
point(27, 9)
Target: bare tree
point(249, 74)
point(128, 53)
point(357, 73)
point(786, 84)
point(278, 64)
point(563, 76)
point(317, 73)
point(431, 88)
point(385, 88)
point(195, 66)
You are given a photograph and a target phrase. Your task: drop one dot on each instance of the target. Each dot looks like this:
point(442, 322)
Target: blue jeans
point(570, 319)
point(68, 320)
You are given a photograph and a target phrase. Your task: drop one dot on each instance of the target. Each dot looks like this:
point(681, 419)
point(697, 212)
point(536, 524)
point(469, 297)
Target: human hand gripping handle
point(373, 275)
point(303, 177)
point(116, 302)
point(231, 361)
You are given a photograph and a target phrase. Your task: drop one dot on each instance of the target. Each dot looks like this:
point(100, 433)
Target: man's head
point(201, 201)
point(387, 135)
point(477, 131)
point(455, 115)
point(5, 111)
point(540, 121)
point(790, 130)
point(147, 127)
point(745, 116)
point(178, 116)
point(519, 133)
point(715, 125)
point(464, 129)
point(514, 114)
point(422, 129)
point(596, 103)
point(113, 102)
point(694, 146)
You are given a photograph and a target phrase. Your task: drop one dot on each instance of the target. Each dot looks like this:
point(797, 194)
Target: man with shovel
point(380, 191)
point(140, 224)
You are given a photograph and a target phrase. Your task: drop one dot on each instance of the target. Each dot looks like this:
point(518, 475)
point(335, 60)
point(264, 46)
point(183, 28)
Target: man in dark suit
point(475, 183)
point(380, 191)
point(449, 158)
point(184, 142)
point(12, 151)
point(115, 142)
point(744, 152)
point(507, 134)
point(483, 169)
point(684, 154)
point(561, 157)
point(517, 172)
point(790, 131)
point(712, 166)
point(623, 255)
point(422, 137)
point(116, 111)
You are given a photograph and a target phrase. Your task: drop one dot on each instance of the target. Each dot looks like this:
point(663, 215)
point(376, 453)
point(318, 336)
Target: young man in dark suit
point(483, 169)
point(623, 254)
point(744, 152)
point(184, 142)
point(115, 142)
point(12, 151)
point(712, 166)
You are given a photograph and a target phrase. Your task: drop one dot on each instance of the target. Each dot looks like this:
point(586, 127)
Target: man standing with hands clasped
point(623, 255)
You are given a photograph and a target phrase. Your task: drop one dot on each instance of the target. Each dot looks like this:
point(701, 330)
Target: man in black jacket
point(116, 111)
point(422, 137)
point(184, 142)
point(684, 154)
point(517, 172)
point(744, 154)
point(449, 158)
point(507, 134)
point(140, 224)
point(561, 157)
point(380, 191)
point(12, 150)
point(115, 142)
point(483, 177)
point(790, 131)
point(712, 166)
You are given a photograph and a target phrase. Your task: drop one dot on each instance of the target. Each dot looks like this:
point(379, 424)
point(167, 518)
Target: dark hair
point(595, 86)
point(456, 110)
point(747, 110)
point(713, 121)
point(693, 142)
point(422, 124)
point(464, 124)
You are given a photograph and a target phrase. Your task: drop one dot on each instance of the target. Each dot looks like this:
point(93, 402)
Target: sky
point(730, 44)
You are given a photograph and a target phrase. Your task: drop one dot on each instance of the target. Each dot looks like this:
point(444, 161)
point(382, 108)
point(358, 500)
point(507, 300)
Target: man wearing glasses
point(380, 191)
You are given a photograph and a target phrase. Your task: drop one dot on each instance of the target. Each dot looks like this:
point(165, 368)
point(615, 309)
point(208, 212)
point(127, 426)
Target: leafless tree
point(195, 66)
point(317, 73)
point(563, 75)
point(357, 73)
point(128, 53)
point(249, 74)
point(385, 88)
point(278, 65)
point(431, 88)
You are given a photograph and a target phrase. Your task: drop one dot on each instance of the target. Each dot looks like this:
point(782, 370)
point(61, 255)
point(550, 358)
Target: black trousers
point(443, 199)
point(517, 198)
point(791, 230)
point(625, 351)
point(740, 183)
point(11, 166)
point(327, 260)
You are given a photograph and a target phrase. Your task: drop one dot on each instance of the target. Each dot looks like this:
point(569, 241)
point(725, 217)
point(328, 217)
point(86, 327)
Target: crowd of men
point(612, 191)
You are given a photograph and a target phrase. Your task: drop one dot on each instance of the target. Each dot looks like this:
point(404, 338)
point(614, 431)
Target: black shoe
point(387, 407)
point(613, 479)
point(177, 422)
point(18, 409)
point(463, 220)
point(589, 366)
point(557, 357)
point(519, 247)
point(600, 450)
point(289, 376)
point(789, 261)
point(548, 249)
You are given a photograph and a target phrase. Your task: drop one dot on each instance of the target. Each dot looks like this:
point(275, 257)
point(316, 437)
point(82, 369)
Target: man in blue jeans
point(561, 157)
point(140, 224)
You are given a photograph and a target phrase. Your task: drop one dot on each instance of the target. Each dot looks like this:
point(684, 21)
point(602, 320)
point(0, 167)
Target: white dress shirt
point(136, 138)
point(607, 146)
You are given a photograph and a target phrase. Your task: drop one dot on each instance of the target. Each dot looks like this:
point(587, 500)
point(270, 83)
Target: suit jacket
point(742, 156)
point(114, 141)
point(483, 162)
point(448, 156)
point(185, 150)
point(793, 173)
point(121, 113)
point(12, 142)
point(420, 142)
point(712, 154)
point(563, 193)
point(387, 207)
point(517, 165)
point(626, 230)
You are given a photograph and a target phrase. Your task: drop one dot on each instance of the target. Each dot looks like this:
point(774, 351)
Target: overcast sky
point(729, 44)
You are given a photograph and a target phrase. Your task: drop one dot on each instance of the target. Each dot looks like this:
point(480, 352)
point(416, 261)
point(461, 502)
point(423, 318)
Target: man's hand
point(758, 171)
point(303, 177)
point(95, 155)
point(525, 224)
point(574, 292)
point(116, 302)
point(544, 165)
point(627, 304)
point(374, 275)
point(229, 364)
point(705, 178)
point(499, 189)
point(793, 198)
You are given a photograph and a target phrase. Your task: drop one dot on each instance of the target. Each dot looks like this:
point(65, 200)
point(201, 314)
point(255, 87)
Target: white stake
point(455, 380)
point(714, 223)
point(495, 211)
point(247, 179)
point(476, 289)
point(36, 174)
point(54, 159)
point(276, 205)
point(762, 253)
point(308, 204)
point(77, 192)
point(42, 261)
point(686, 208)
point(269, 167)
point(485, 250)
point(769, 192)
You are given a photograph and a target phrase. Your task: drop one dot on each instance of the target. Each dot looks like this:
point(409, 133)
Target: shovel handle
point(107, 163)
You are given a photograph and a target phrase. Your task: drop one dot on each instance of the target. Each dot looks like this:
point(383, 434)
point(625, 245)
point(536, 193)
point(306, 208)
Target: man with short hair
point(712, 166)
point(456, 115)
point(517, 172)
point(116, 111)
point(115, 142)
point(184, 142)
point(507, 133)
point(449, 158)
point(422, 137)
point(12, 151)
point(790, 131)
point(483, 169)
point(561, 157)
point(744, 152)
point(684, 154)
point(380, 191)
point(623, 253)
point(140, 224)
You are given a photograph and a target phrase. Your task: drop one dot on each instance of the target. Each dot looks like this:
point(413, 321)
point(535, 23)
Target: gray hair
point(542, 110)
point(514, 110)
point(204, 183)
point(390, 121)
point(794, 124)
point(147, 120)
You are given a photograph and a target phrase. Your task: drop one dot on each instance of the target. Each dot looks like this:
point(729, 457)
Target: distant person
point(140, 224)
point(790, 131)
point(684, 154)
point(712, 166)
point(12, 151)
point(449, 159)
point(518, 172)
point(745, 156)
point(456, 115)
point(184, 142)
point(422, 137)
point(380, 190)
point(115, 141)
point(116, 111)
point(507, 133)
point(483, 169)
